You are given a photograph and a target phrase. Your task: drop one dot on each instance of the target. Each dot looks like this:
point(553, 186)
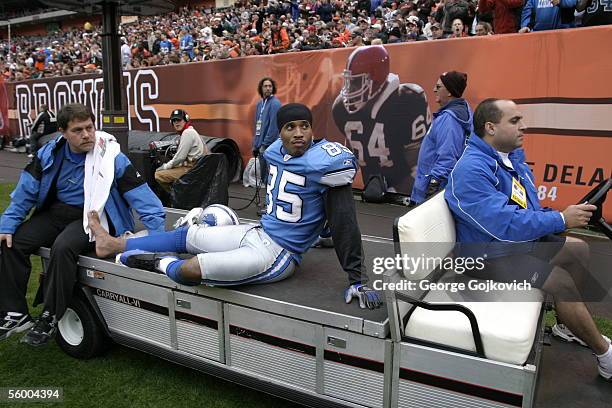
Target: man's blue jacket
point(479, 195)
point(442, 146)
point(269, 130)
point(129, 190)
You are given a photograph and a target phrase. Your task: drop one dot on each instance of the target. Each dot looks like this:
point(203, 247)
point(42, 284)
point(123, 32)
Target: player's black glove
point(432, 188)
point(368, 297)
point(255, 153)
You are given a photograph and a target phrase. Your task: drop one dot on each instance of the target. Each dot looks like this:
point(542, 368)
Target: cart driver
point(495, 205)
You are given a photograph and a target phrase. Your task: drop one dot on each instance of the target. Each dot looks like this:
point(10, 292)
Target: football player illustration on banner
point(383, 120)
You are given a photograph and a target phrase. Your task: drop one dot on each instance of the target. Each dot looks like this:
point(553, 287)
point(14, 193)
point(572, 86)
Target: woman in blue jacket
point(446, 138)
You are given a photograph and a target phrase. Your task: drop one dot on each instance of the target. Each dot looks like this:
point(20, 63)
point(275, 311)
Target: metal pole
point(111, 69)
point(114, 116)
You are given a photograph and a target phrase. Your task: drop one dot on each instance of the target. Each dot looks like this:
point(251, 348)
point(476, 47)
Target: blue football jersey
point(296, 190)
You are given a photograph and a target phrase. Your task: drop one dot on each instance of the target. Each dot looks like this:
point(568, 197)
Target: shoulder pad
point(337, 101)
point(410, 89)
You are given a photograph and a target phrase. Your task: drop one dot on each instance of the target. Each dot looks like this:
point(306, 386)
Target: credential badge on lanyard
point(519, 195)
point(259, 121)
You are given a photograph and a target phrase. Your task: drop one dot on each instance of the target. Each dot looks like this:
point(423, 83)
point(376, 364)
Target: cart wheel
point(80, 334)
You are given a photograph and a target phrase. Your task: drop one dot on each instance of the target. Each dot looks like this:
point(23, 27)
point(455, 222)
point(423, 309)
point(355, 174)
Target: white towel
point(99, 176)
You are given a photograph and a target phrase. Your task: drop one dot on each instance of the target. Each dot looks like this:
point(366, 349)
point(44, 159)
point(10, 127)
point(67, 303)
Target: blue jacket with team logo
point(128, 191)
point(479, 194)
point(442, 146)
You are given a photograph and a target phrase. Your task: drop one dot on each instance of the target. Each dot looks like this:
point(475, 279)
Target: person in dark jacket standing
point(266, 130)
point(59, 186)
point(44, 124)
point(445, 141)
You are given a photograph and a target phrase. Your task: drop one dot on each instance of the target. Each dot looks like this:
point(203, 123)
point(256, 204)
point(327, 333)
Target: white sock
point(605, 360)
point(14, 314)
point(162, 266)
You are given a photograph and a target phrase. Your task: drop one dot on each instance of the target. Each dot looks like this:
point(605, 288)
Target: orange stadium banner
point(560, 79)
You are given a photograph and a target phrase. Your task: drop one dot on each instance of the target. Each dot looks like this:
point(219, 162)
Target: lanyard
point(262, 109)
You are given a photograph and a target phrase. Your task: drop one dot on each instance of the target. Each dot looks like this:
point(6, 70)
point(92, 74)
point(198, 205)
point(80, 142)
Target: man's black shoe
point(43, 331)
point(13, 323)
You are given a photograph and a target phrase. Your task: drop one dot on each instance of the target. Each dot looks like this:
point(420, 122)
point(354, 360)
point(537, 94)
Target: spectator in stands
point(458, 29)
point(279, 40)
point(186, 44)
point(313, 41)
point(436, 31)
point(326, 11)
point(190, 149)
point(55, 185)
point(126, 53)
point(344, 36)
point(496, 210)
point(427, 27)
point(483, 28)
point(452, 10)
point(413, 25)
point(540, 15)
point(356, 40)
point(505, 14)
point(44, 124)
point(266, 131)
point(165, 46)
point(445, 141)
point(395, 36)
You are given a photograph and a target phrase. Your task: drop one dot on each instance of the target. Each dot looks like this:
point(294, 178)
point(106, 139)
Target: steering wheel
point(597, 197)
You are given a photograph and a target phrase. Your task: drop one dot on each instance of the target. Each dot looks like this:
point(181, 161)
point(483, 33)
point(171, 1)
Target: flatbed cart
point(298, 340)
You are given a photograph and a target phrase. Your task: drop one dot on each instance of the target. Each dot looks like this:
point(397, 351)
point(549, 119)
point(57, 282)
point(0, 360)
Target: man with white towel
point(80, 171)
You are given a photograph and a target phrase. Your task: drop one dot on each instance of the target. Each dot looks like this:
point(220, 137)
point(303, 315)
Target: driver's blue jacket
point(480, 196)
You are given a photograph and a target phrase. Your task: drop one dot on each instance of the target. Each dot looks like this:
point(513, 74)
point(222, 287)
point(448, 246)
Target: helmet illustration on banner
point(366, 71)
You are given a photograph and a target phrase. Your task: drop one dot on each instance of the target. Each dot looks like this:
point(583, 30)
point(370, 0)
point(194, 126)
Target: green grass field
point(124, 377)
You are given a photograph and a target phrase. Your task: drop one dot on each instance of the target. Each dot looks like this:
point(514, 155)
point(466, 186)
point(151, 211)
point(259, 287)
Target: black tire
point(80, 333)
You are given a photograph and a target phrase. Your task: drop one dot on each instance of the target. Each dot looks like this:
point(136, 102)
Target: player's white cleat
point(604, 371)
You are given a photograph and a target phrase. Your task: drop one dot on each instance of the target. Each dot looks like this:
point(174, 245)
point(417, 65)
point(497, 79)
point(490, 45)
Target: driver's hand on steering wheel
point(577, 216)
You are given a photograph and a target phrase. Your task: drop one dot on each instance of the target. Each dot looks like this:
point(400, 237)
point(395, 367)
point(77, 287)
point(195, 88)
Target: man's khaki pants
point(165, 178)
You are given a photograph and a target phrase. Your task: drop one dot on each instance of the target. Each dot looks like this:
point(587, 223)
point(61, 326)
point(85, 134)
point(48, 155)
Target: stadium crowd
point(247, 28)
